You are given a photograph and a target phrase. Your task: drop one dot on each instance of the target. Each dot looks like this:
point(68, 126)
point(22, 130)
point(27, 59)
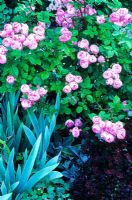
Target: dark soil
point(107, 175)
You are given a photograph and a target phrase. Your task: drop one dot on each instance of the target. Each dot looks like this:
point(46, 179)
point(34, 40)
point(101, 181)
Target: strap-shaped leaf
point(57, 104)
point(2, 168)
point(18, 173)
point(54, 174)
point(30, 135)
point(3, 188)
point(46, 139)
point(27, 170)
point(6, 197)
point(9, 120)
point(34, 122)
point(18, 137)
point(38, 176)
point(52, 124)
point(10, 167)
point(14, 185)
point(53, 161)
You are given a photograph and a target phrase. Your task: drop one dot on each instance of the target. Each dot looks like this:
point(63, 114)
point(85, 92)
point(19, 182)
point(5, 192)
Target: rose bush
point(79, 49)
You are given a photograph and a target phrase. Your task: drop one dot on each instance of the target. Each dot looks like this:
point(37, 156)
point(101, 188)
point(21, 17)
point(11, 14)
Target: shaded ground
point(108, 173)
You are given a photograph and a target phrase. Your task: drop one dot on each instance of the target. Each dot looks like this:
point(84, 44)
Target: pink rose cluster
point(16, 36)
point(89, 55)
point(31, 96)
point(74, 125)
point(3, 51)
point(72, 82)
point(10, 79)
point(65, 35)
point(112, 76)
point(65, 18)
point(107, 130)
point(121, 17)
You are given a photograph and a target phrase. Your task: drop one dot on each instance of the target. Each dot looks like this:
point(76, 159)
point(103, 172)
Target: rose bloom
point(109, 138)
point(25, 89)
point(82, 55)
point(83, 44)
point(75, 132)
point(7, 41)
point(69, 123)
point(26, 103)
point(96, 128)
point(116, 68)
point(70, 77)
point(101, 59)
point(3, 50)
point(3, 59)
point(78, 122)
point(117, 83)
point(109, 81)
point(78, 79)
point(96, 120)
point(67, 89)
point(103, 135)
point(84, 64)
point(102, 125)
point(119, 125)
point(73, 85)
point(41, 91)
point(121, 134)
point(100, 19)
point(92, 59)
point(94, 49)
point(10, 79)
point(107, 74)
point(33, 96)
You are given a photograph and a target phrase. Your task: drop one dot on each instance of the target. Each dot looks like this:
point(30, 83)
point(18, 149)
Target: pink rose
point(69, 123)
point(96, 128)
point(75, 132)
point(107, 74)
point(116, 68)
point(10, 79)
point(3, 50)
point(83, 44)
point(103, 135)
point(109, 81)
point(117, 83)
point(100, 19)
point(70, 77)
point(109, 138)
point(26, 103)
point(96, 120)
point(7, 41)
point(101, 59)
point(78, 79)
point(121, 134)
point(25, 89)
point(3, 59)
point(92, 59)
point(83, 55)
point(94, 49)
point(73, 85)
point(122, 11)
point(78, 122)
point(67, 89)
point(41, 91)
point(84, 64)
point(33, 96)
point(119, 125)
